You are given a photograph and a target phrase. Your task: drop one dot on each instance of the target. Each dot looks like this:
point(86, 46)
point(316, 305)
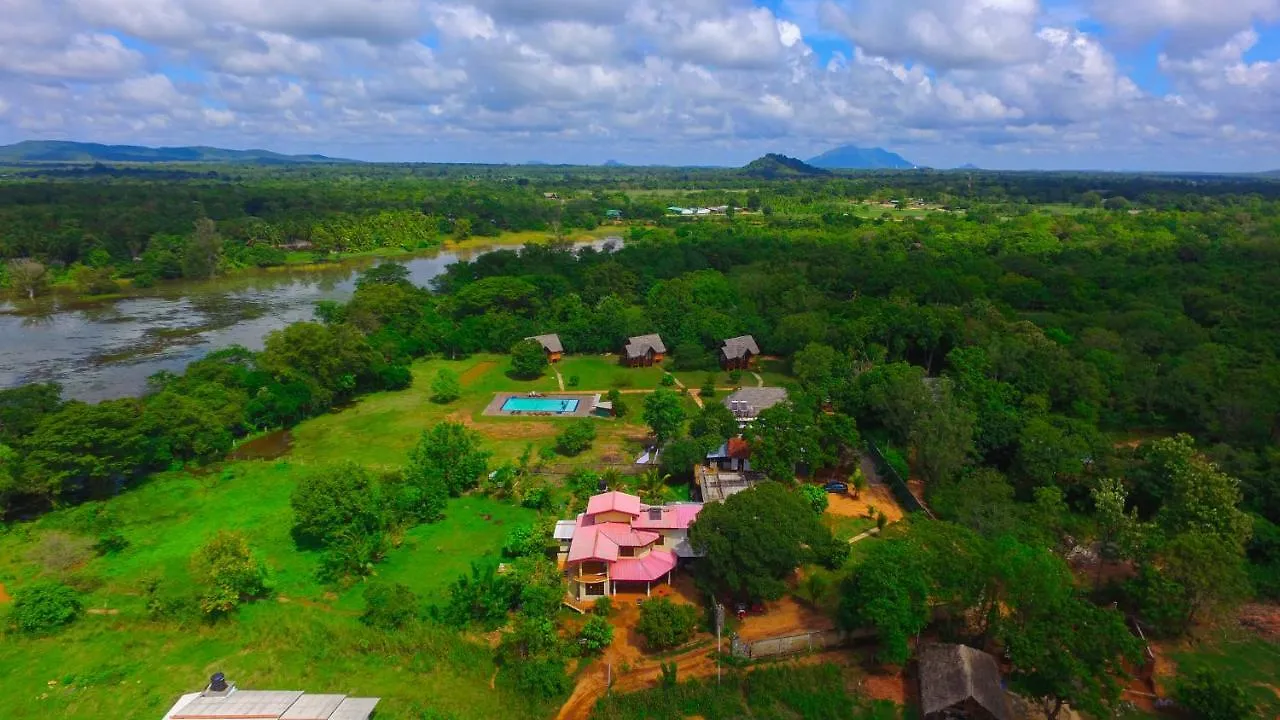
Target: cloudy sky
point(1114, 84)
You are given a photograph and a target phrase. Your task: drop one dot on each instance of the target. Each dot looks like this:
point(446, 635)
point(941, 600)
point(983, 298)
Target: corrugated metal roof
point(550, 343)
point(564, 529)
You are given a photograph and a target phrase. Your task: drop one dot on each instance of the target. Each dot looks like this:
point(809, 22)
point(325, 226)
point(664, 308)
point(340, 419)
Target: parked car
point(835, 486)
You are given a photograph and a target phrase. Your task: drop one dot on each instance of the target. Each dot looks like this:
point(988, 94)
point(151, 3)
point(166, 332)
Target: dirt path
point(863, 536)
point(4, 596)
point(759, 380)
point(475, 372)
point(698, 401)
point(559, 377)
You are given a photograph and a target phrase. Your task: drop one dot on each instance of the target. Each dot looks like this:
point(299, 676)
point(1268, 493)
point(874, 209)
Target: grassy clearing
point(308, 635)
point(1249, 659)
point(844, 528)
point(380, 429)
point(604, 372)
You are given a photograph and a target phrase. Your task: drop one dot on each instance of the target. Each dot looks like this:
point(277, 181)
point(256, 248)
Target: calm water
point(107, 350)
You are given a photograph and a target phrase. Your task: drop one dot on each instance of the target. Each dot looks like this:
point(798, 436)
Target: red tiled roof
point(674, 517)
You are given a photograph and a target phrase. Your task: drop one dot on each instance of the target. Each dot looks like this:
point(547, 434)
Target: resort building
point(550, 345)
point(621, 544)
point(221, 700)
point(738, 353)
point(643, 350)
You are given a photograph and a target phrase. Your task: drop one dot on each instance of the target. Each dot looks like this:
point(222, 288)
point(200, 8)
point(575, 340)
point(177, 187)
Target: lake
point(102, 350)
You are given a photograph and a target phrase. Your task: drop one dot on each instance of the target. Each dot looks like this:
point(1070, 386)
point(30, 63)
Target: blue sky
point(1019, 84)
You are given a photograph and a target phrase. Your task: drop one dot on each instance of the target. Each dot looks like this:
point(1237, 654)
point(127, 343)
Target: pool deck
point(586, 402)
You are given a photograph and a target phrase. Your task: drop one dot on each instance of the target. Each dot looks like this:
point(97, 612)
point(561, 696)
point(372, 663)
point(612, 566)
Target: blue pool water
point(552, 405)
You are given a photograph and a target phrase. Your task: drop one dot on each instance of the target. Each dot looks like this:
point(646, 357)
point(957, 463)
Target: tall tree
point(28, 277)
point(664, 414)
point(450, 453)
point(756, 538)
point(202, 255)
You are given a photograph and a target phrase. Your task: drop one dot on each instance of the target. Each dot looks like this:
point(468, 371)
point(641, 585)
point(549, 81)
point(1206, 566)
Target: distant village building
point(621, 544)
point(613, 214)
point(738, 353)
point(550, 345)
point(550, 196)
point(221, 700)
point(643, 350)
point(747, 403)
point(957, 681)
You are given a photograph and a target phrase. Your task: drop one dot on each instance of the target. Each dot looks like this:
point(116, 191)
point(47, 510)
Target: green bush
point(43, 607)
point(664, 624)
point(619, 405)
point(708, 389)
point(446, 387)
point(574, 381)
point(389, 606)
point(668, 380)
point(227, 573)
point(541, 677)
point(897, 462)
point(816, 496)
point(577, 437)
point(1209, 695)
point(603, 607)
point(526, 540)
point(595, 635)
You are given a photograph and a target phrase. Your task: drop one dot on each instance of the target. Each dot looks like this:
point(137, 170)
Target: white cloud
point(1190, 24)
point(940, 33)
point(84, 56)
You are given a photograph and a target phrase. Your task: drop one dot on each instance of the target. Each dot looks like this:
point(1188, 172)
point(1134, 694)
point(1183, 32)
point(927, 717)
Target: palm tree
point(652, 485)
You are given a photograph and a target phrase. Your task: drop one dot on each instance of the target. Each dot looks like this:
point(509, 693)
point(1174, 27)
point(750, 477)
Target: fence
point(897, 483)
point(793, 644)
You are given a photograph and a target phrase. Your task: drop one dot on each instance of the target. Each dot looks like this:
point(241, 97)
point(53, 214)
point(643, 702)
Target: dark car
point(836, 486)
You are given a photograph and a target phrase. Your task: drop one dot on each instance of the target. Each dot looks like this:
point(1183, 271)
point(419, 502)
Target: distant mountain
point(968, 166)
point(851, 157)
point(613, 163)
point(774, 165)
point(77, 152)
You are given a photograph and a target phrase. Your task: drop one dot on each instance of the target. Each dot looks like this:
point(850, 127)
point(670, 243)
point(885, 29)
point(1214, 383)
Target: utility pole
point(719, 628)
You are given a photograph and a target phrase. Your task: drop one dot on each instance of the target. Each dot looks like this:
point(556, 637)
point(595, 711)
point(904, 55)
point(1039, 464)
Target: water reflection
point(106, 349)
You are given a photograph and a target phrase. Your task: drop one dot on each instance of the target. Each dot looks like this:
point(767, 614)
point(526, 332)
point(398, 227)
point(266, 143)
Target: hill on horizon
point(775, 165)
point(852, 157)
point(77, 152)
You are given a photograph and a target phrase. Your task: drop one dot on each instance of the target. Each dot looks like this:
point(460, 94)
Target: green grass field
point(1246, 658)
point(117, 662)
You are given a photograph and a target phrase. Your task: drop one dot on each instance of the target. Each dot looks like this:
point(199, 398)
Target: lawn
point(380, 429)
point(601, 373)
point(1247, 658)
point(307, 635)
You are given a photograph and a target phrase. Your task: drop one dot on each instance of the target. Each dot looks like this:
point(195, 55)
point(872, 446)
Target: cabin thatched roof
point(738, 347)
point(550, 343)
point(640, 345)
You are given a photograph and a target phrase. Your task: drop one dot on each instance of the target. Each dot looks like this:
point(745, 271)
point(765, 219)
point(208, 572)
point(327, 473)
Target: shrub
point(526, 540)
point(619, 405)
point(708, 389)
point(43, 607)
point(1211, 696)
point(670, 678)
point(595, 636)
point(735, 377)
point(668, 380)
point(542, 677)
point(574, 381)
point(893, 458)
point(577, 437)
point(664, 624)
point(59, 553)
point(445, 388)
point(603, 607)
point(227, 573)
point(528, 359)
point(816, 496)
point(388, 606)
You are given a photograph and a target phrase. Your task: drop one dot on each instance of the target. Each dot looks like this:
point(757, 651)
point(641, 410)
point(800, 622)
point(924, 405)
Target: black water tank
point(218, 682)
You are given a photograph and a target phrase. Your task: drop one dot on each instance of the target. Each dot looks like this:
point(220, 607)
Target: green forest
point(1061, 363)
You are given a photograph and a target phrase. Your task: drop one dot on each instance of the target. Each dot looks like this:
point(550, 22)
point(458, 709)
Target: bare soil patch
point(1260, 618)
point(787, 616)
point(886, 687)
point(476, 372)
point(877, 496)
point(4, 596)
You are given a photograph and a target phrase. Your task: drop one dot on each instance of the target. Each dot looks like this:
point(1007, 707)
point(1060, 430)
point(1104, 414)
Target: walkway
point(759, 380)
point(696, 400)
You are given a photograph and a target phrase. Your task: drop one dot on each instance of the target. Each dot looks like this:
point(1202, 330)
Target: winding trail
point(759, 380)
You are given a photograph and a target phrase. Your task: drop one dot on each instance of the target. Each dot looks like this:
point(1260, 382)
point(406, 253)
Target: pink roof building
point(621, 540)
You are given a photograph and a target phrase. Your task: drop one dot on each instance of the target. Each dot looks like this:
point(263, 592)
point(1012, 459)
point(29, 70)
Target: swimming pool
point(550, 405)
